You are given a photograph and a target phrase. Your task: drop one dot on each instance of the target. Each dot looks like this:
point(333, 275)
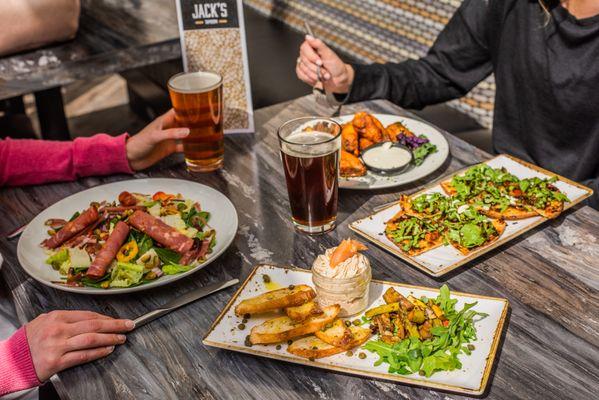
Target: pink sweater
point(29, 162)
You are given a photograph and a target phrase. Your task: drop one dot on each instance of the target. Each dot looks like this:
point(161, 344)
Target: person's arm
point(458, 60)
point(31, 161)
point(16, 366)
point(28, 24)
point(54, 342)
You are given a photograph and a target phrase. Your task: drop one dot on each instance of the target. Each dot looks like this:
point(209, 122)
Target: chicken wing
point(397, 128)
point(349, 139)
point(350, 165)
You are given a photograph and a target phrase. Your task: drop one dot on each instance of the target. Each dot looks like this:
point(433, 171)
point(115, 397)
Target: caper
point(291, 287)
point(362, 355)
point(311, 359)
point(356, 322)
point(347, 323)
point(246, 316)
point(278, 347)
point(289, 342)
point(265, 278)
point(248, 343)
point(421, 372)
point(349, 353)
point(181, 206)
point(314, 347)
point(241, 327)
point(470, 347)
point(245, 321)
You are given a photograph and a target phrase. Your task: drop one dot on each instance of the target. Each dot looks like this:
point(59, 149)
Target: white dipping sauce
point(386, 156)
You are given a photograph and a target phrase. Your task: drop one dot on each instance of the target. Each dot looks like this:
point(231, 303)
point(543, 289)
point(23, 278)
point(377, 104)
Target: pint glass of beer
point(310, 153)
point(197, 98)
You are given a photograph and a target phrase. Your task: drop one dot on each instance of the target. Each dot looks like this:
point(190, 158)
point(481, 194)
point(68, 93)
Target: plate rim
point(439, 130)
point(139, 288)
point(490, 359)
point(485, 249)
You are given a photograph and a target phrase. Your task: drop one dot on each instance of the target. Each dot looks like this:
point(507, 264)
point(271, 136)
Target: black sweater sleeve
point(458, 60)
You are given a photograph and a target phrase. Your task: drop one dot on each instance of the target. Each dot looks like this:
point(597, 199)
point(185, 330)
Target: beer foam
point(194, 82)
point(309, 144)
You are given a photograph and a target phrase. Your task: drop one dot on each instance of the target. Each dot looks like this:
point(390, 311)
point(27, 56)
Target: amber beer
point(310, 154)
point(197, 98)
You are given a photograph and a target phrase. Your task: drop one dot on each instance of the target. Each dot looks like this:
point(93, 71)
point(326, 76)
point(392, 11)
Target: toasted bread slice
point(499, 225)
point(312, 347)
point(306, 310)
point(448, 188)
point(284, 328)
point(552, 210)
point(275, 299)
point(340, 335)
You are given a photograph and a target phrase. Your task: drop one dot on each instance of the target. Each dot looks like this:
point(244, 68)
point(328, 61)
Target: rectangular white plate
point(441, 260)
point(471, 379)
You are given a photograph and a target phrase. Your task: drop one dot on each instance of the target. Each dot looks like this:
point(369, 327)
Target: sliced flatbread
point(281, 329)
point(553, 209)
point(499, 225)
point(346, 337)
point(312, 347)
point(306, 310)
point(434, 240)
point(448, 188)
point(276, 299)
point(510, 213)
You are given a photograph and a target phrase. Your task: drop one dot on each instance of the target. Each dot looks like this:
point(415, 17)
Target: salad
point(131, 242)
point(423, 335)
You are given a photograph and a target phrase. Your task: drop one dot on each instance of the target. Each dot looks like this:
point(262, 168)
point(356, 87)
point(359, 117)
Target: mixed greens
point(428, 335)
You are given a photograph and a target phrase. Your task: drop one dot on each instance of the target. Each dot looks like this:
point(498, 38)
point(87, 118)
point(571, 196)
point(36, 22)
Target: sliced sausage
point(127, 199)
point(107, 253)
point(72, 228)
point(162, 233)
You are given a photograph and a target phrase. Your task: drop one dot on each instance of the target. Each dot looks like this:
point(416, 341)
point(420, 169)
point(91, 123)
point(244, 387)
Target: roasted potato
point(276, 299)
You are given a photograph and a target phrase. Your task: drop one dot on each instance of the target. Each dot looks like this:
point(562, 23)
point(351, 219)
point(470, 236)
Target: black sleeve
point(458, 60)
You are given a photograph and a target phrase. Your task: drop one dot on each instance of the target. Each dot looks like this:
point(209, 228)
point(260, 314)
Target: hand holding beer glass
point(197, 98)
point(310, 153)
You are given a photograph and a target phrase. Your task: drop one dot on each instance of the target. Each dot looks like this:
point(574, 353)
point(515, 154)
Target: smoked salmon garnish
point(346, 249)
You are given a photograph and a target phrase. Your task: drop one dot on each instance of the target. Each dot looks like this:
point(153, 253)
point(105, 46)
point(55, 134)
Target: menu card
point(213, 39)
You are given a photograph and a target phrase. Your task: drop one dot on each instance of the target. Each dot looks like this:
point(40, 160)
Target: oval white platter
point(32, 256)
point(430, 164)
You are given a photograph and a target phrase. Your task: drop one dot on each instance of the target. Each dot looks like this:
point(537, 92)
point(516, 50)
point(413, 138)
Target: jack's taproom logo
point(198, 14)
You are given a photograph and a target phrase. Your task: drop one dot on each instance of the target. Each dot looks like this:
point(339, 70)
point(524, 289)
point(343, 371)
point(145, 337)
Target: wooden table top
point(549, 349)
point(113, 36)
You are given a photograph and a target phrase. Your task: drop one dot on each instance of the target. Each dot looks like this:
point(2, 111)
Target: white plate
point(430, 164)
point(443, 259)
point(32, 256)
point(471, 379)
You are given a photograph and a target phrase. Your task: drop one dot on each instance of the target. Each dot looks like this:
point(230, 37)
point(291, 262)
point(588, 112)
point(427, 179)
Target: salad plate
point(443, 257)
point(429, 165)
point(33, 256)
point(229, 331)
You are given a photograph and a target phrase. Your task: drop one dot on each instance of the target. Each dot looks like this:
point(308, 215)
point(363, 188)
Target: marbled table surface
point(550, 345)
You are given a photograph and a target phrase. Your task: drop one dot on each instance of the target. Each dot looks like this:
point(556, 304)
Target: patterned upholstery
point(380, 31)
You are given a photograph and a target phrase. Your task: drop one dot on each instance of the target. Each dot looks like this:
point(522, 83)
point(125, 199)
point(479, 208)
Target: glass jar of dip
point(350, 293)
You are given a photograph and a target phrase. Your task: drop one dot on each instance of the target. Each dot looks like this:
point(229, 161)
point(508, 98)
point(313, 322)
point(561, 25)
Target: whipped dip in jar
point(342, 276)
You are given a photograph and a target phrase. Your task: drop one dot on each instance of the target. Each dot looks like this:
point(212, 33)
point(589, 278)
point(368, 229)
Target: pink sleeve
point(16, 366)
point(30, 161)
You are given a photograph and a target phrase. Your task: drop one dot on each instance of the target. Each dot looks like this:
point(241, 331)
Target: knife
point(182, 300)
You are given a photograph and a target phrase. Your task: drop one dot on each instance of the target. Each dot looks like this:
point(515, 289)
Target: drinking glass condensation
point(310, 153)
point(197, 98)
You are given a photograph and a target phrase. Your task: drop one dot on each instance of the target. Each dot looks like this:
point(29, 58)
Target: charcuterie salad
point(129, 242)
